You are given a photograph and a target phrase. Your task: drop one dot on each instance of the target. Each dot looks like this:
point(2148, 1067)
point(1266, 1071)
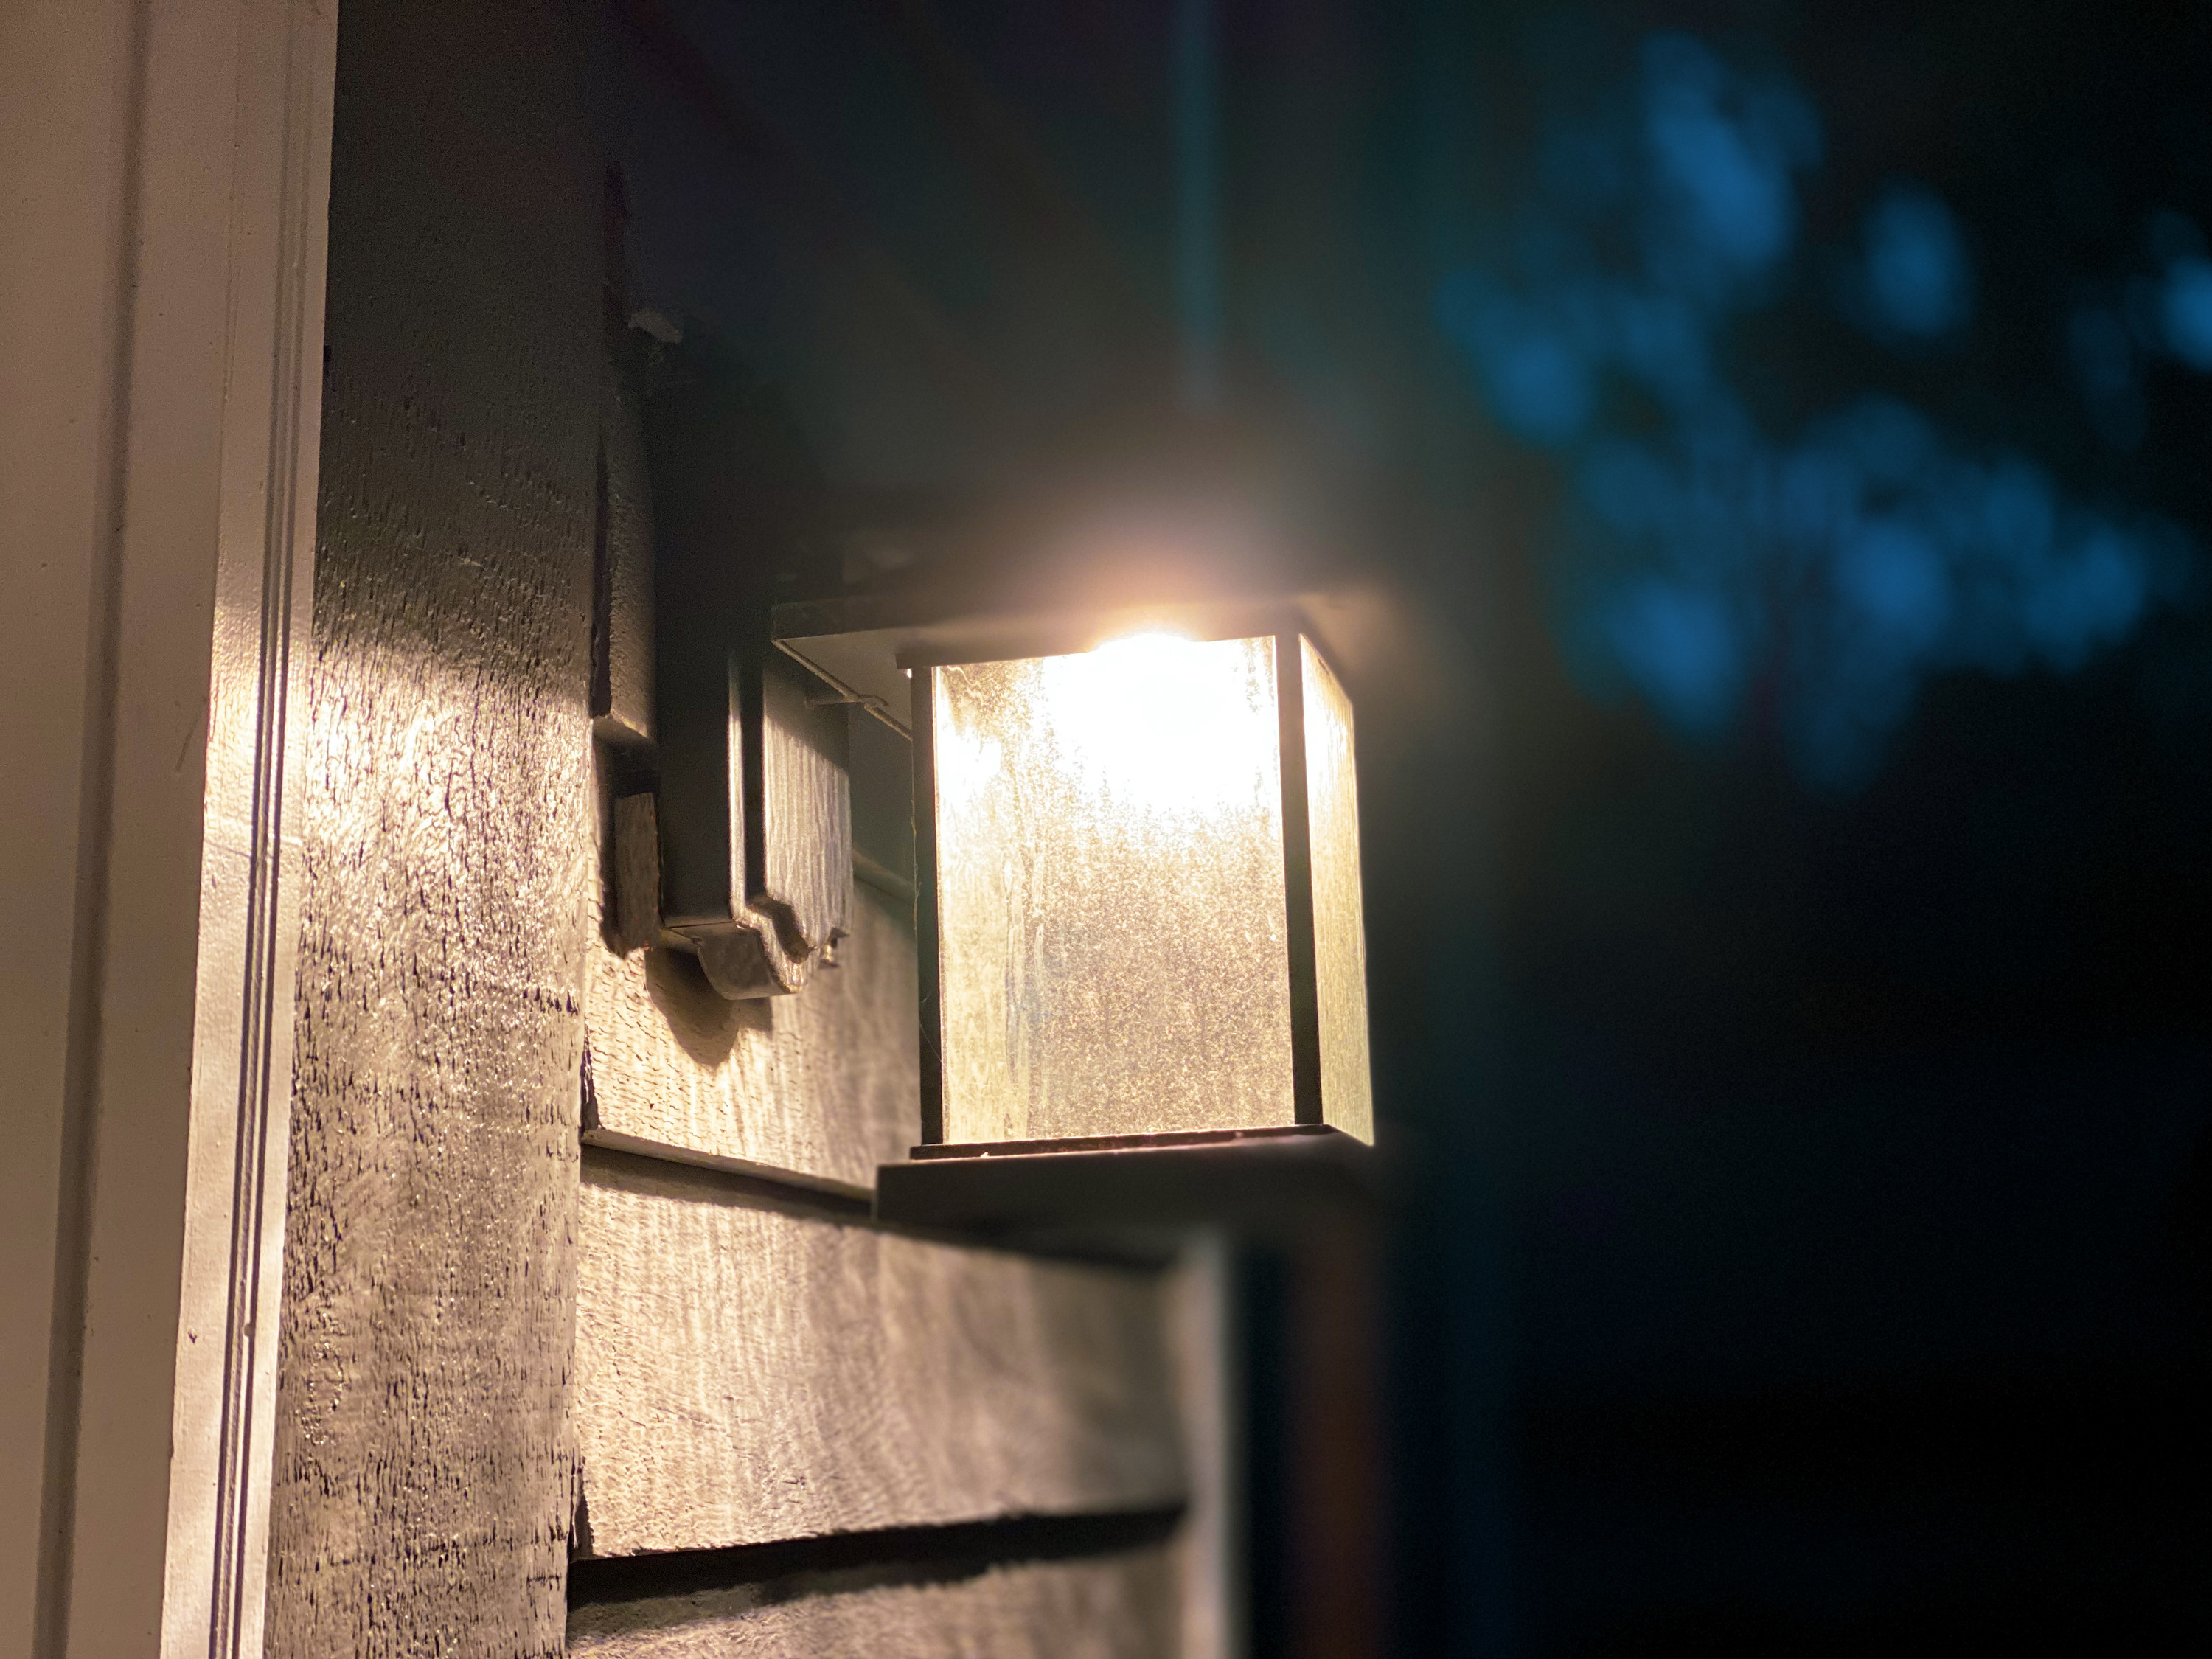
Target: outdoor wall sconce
point(742, 853)
point(1137, 851)
point(1135, 832)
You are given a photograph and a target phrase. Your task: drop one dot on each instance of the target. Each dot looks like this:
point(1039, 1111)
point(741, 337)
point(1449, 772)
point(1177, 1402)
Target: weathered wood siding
point(480, 1357)
point(1115, 1606)
point(425, 1471)
point(747, 1371)
point(821, 1084)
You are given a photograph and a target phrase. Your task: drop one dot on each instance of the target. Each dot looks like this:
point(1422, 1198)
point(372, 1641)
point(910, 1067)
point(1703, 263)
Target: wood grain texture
point(1117, 1606)
point(824, 1083)
point(622, 669)
point(747, 1373)
point(634, 914)
point(805, 819)
point(424, 1482)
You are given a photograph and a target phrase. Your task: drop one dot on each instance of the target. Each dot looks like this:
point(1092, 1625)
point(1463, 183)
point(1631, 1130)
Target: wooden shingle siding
point(502, 1348)
point(424, 1475)
point(821, 1084)
point(747, 1371)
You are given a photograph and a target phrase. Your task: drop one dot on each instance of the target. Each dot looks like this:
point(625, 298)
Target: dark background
point(1803, 1248)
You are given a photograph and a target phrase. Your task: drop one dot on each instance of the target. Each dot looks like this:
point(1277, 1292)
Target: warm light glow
point(1150, 724)
point(1110, 884)
point(1146, 644)
point(1163, 725)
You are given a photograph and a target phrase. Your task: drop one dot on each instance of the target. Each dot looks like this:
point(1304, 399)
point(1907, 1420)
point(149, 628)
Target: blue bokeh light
point(2185, 309)
point(1680, 645)
point(1918, 283)
point(1720, 153)
point(1711, 567)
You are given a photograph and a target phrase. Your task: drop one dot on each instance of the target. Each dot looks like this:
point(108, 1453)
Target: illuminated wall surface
point(1111, 893)
point(1339, 938)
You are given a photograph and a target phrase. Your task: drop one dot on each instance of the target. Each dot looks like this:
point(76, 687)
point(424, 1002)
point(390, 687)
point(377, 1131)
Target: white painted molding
point(215, 1575)
point(164, 172)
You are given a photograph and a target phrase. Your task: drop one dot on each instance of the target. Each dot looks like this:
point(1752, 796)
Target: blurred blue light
point(1894, 575)
point(2186, 311)
point(1918, 282)
point(1537, 379)
point(1628, 488)
point(1681, 648)
point(1840, 567)
point(2089, 596)
point(1719, 163)
point(1891, 443)
point(2018, 512)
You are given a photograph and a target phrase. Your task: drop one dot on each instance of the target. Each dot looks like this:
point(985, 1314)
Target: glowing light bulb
point(1161, 726)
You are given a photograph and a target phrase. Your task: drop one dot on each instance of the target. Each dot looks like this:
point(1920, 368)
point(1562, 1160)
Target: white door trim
point(166, 546)
point(215, 1589)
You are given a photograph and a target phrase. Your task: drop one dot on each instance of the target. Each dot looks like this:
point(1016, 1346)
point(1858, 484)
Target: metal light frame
point(886, 654)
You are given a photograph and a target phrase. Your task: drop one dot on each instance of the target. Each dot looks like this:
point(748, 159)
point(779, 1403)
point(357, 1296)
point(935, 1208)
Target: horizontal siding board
point(747, 1370)
point(1118, 1606)
point(825, 1083)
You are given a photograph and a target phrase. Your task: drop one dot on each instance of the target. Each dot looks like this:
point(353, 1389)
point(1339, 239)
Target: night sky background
point(1789, 849)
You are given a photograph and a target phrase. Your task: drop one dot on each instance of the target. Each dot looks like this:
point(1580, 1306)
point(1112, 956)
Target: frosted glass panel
point(1110, 912)
point(1339, 937)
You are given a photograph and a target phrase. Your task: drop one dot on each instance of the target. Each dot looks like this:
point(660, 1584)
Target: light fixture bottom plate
point(1269, 1182)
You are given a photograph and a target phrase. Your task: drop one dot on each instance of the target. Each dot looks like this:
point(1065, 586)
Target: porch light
point(1138, 849)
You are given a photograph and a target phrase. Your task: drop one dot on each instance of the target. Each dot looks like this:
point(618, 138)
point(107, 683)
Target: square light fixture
point(1138, 850)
